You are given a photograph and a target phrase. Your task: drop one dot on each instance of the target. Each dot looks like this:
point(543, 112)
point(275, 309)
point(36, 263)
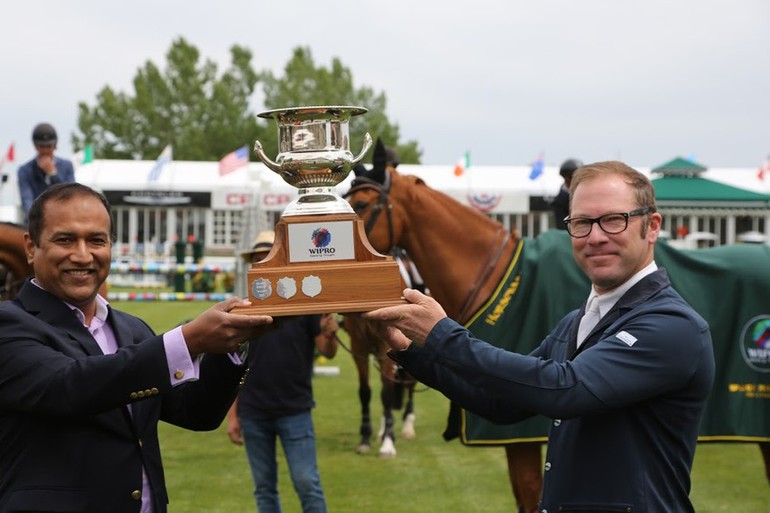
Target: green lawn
point(206, 473)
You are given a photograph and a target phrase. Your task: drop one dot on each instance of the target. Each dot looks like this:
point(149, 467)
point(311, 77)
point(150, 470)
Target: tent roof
point(679, 167)
point(679, 190)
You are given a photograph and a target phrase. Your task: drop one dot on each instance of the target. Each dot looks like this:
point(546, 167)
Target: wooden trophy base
point(322, 264)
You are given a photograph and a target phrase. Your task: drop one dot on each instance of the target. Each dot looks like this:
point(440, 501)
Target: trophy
point(321, 260)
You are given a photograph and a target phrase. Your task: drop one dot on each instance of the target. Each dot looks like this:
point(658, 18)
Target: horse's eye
point(358, 206)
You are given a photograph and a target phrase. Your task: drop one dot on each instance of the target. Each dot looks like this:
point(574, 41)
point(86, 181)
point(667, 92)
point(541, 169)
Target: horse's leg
point(407, 429)
point(365, 396)
point(360, 356)
point(388, 397)
point(388, 446)
point(764, 447)
point(525, 474)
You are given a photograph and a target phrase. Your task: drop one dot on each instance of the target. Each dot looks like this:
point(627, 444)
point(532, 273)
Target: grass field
point(206, 473)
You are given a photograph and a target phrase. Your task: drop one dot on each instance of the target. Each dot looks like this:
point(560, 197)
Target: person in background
point(625, 378)
point(45, 169)
point(276, 400)
point(560, 203)
point(84, 385)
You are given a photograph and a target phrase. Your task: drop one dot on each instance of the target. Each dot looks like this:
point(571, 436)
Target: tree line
point(204, 114)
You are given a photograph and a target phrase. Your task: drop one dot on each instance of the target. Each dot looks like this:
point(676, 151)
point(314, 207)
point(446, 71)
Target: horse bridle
point(361, 183)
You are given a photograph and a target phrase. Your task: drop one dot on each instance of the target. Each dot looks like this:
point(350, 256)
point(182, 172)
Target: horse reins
point(490, 265)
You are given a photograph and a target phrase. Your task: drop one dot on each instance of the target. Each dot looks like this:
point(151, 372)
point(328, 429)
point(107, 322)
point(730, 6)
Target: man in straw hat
point(276, 400)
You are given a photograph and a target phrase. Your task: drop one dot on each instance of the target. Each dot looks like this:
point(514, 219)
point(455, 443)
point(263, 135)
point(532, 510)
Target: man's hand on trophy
point(404, 324)
point(217, 330)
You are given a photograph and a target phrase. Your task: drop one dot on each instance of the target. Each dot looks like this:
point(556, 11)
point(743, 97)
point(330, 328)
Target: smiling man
point(83, 386)
point(625, 378)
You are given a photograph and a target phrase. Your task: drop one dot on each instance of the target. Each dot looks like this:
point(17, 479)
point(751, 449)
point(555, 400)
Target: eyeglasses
point(579, 227)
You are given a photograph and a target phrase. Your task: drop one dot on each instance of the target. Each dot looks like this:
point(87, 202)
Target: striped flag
point(234, 160)
point(537, 168)
point(84, 156)
point(164, 158)
point(8, 157)
point(463, 164)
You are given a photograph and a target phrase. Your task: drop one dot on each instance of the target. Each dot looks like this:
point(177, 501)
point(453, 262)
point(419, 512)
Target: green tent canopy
point(681, 186)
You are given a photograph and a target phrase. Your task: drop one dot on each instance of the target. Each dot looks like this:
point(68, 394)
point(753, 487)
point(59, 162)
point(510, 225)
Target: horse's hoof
point(363, 449)
point(387, 455)
point(388, 449)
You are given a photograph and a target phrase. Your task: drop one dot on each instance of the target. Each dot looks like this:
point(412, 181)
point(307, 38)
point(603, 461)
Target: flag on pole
point(84, 156)
point(234, 160)
point(537, 168)
point(763, 170)
point(463, 164)
point(164, 158)
point(8, 157)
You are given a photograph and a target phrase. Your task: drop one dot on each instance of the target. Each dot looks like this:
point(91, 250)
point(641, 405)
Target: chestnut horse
point(13, 261)
point(462, 255)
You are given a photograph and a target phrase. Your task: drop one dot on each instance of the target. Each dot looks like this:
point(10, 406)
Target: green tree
point(305, 84)
point(205, 116)
point(188, 106)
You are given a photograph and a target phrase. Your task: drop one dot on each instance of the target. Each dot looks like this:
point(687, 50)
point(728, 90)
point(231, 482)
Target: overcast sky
point(637, 81)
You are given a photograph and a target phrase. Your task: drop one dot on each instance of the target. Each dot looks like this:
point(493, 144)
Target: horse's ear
point(360, 170)
point(379, 162)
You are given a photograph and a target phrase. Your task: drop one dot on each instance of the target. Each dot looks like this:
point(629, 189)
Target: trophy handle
point(266, 160)
point(367, 145)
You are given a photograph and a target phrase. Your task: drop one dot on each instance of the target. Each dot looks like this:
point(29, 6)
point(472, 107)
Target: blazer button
point(154, 391)
point(140, 394)
point(557, 422)
point(547, 466)
point(136, 495)
point(133, 396)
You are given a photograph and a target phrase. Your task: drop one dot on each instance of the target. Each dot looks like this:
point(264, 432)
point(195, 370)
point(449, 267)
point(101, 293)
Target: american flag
point(234, 160)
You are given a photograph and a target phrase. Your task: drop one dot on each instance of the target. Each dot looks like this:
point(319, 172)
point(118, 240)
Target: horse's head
point(370, 197)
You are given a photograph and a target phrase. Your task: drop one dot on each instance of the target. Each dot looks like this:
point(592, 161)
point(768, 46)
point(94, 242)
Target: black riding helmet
point(569, 167)
point(44, 135)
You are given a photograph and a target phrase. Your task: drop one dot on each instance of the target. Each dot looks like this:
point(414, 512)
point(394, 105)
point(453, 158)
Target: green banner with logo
point(728, 285)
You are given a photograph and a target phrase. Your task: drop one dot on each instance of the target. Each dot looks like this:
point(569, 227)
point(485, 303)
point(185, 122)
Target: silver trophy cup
point(314, 155)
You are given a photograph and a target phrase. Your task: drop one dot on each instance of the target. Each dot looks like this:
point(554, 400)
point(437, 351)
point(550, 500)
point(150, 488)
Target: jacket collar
point(635, 296)
point(55, 312)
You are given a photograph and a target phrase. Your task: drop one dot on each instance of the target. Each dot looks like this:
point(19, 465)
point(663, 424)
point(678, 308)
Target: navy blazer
point(625, 407)
point(68, 442)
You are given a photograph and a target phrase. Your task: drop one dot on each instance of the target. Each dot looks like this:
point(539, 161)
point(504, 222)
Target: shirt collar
point(608, 300)
point(101, 307)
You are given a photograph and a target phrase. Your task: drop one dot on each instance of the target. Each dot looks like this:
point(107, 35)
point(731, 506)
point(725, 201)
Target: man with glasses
point(625, 378)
